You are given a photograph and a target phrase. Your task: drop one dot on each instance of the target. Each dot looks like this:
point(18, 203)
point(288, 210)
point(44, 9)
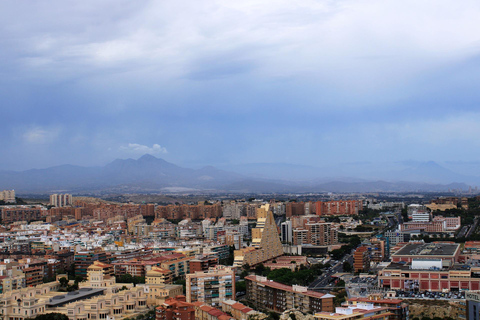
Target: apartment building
point(339, 207)
point(158, 275)
point(240, 311)
point(136, 267)
point(286, 231)
point(84, 259)
point(421, 216)
point(133, 221)
point(300, 236)
point(266, 243)
point(88, 302)
point(212, 286)
point(12, 278)
point(232, 210)
point(7, 196)
point(294, 209)
point(234, 238)
point(175, 309)
point(206, 312)
point(321, 234)
point(202, 263)
point(179, 212)
point(396, 236)
point(147, 210)
point(336, 207)
point(21, 213)
point(33, 276)
point(277, 297)
point(158, 287)
point(61, 200)
point(361, 259)
point(177, 263)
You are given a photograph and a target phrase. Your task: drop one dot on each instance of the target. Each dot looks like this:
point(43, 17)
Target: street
point(325, 281)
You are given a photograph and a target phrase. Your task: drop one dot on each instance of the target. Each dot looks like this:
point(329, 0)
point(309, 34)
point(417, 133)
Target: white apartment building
point(61, 200)
point(7, 196)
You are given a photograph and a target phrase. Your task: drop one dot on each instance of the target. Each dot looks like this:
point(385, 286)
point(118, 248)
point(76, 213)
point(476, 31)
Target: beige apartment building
point(85, 303)
point(100, 297)
point(157, 282)
point(133, 221)
point(12, 277)
point(266, 243)
point(212, 286)
point(7, 195)
point(158, 275)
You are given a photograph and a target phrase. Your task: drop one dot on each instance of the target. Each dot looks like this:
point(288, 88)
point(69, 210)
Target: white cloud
point(140, 149)
point(38, 135)
point(330, 39)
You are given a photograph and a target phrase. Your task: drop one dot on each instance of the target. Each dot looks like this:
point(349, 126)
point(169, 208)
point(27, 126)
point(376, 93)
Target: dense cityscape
point(239, 160)
point(353, 256)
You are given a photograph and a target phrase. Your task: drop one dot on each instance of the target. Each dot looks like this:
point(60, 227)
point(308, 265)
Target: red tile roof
point(238, 306)
point(277, 285)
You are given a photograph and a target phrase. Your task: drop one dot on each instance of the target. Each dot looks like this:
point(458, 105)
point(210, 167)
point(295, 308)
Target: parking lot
point(364, 286)
point(431, 295)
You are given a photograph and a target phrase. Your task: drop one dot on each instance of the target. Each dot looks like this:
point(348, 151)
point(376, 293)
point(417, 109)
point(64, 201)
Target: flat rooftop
point(407, 266)
point(396, 265)
point(428, 249)
point(83, 293)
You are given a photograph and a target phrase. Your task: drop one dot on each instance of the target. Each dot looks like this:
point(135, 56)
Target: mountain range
point(151, 174)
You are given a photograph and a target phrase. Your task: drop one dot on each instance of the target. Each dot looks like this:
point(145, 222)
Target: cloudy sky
point(229, 82)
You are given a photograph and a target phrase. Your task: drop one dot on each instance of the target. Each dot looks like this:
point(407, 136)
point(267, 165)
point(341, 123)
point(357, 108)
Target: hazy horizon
point(223, 83)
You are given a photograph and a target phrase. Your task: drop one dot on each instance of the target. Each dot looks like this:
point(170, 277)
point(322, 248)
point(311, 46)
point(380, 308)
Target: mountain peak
point(147, 157)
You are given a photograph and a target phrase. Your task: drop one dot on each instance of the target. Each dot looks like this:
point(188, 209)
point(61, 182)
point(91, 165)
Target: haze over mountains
point(151, 174)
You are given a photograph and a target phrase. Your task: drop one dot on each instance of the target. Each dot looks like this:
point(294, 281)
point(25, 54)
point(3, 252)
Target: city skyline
point(315, 83)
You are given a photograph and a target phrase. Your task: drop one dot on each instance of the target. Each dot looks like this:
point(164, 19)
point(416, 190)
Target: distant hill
point(151, 174)
point(146, 173)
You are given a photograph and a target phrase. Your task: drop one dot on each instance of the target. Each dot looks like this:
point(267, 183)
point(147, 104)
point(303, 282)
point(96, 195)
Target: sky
point(218, 82)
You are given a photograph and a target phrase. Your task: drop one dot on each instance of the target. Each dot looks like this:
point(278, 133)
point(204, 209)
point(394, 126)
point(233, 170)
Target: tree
point(259, 269)
point(63, 282)
point(231, 256)
point(273, 315)
point(124, 278)
point(347, 267)
point(182, 282)
point(240, 286)
point(72, 287)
